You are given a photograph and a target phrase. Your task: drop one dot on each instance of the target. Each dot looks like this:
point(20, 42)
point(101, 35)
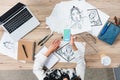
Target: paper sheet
point(65, 15)
point(79, 45)
point(95, 30)
point(55, 57)
point(69, 14)
point(8, 46)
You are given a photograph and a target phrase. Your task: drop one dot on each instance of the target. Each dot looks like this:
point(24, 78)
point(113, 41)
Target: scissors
point(117, 21)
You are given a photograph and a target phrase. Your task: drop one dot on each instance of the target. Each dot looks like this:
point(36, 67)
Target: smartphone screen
point(67, 34)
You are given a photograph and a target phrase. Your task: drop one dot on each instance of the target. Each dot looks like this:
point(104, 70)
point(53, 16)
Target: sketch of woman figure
point(76, 18)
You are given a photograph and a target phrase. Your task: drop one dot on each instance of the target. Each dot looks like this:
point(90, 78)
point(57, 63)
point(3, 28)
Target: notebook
point(51, 60)
point(18, 21)
point(27, 52)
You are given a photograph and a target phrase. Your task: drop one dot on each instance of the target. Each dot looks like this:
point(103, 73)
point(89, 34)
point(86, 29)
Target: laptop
point(18, 21)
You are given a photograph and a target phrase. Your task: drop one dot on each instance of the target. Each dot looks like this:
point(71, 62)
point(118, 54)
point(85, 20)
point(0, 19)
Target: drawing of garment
point(94, 17)
point(95, 22)
point(67, 52)
point(8, 44)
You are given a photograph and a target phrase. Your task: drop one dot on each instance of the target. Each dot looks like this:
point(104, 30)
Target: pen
point(34, 46)
point(105, 28)
point(23, 46)
point(42, 40)
point(119, 22)
point(116, 20)
point(46, 39)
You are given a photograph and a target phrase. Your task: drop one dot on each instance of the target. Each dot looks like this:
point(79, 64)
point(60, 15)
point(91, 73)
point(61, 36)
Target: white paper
point(52, 59)
point(61, 18)
point(79, 45)
point(103, 17)
point(69, 14)
point(8, 46)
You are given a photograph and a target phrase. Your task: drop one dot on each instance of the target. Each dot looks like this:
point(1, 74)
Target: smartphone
point(67, 35)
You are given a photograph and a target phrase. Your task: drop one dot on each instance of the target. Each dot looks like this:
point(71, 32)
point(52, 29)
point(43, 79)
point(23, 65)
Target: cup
point(105, 60)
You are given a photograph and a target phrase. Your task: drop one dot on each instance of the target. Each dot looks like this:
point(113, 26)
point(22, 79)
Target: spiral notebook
point(52, 59)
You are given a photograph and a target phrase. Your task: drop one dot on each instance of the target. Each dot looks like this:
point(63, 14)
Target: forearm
point(74, 47)
point(47, 53)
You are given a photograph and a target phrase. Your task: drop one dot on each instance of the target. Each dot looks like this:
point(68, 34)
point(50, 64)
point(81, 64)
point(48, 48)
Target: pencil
point(34, 47)
point(42, 40)
point(23, 46)
point(46, 39)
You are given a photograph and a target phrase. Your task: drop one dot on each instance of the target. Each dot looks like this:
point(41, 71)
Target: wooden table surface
point(42, 9)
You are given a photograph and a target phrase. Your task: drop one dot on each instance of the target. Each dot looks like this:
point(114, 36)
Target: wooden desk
point(42, 9)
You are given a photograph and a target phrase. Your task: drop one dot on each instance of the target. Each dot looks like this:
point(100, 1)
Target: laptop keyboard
point(17, 20)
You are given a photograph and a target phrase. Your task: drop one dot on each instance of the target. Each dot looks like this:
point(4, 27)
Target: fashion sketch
point(77, 17)
point(94, 17)
point(66, 52)
point(8, 44)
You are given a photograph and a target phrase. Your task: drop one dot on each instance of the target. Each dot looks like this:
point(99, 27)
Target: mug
point(105, 60)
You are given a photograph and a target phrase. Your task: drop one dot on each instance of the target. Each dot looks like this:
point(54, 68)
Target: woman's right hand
point(53, 47)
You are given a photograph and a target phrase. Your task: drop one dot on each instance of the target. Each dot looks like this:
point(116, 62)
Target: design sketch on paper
point(66, 52)
point(8, 44)
point(94, 17)
point(76, 17)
